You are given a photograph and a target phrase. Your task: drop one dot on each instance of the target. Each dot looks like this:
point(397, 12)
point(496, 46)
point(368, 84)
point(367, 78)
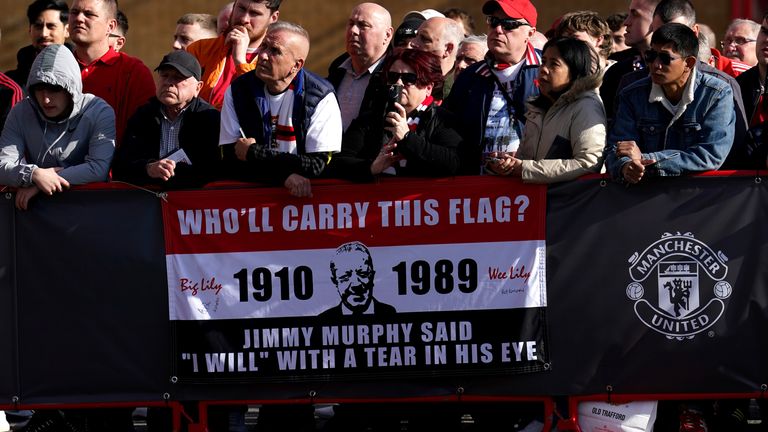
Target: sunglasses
point(665, 58)
point(408, 78)
point(508, 24)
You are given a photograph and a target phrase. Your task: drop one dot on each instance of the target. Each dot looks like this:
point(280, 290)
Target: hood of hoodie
point(56, 65)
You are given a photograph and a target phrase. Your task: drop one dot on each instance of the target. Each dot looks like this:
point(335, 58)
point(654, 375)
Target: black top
point(198, 137)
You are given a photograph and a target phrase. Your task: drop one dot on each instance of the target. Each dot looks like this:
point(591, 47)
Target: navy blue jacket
point(470, 99)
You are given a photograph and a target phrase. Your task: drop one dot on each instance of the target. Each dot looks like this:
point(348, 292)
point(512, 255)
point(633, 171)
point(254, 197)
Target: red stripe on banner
point(415, 212)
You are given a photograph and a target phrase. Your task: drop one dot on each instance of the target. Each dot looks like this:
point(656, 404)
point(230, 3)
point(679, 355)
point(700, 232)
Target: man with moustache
point(47, 25)
point(356, 74)
point(233, 53)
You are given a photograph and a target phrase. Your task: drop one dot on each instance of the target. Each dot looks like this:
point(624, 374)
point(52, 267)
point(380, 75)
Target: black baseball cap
point(182, 61)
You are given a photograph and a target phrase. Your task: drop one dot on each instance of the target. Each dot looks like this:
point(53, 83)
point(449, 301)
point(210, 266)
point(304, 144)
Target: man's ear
point(389, 33)
point(690, 62)
point(450, 48)
point(297, 66)
point(111, 26)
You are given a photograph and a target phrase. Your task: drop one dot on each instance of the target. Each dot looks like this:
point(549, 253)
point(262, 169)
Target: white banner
point(417, 278)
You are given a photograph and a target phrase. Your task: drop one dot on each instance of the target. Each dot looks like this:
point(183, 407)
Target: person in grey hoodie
point(58, 136)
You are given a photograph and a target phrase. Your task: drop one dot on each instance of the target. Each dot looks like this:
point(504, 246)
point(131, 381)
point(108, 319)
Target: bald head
point(222, 20)
point(441, 37)
point(369, 30)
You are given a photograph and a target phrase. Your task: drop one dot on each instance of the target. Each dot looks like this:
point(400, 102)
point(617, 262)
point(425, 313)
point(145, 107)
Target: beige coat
point(567, 140)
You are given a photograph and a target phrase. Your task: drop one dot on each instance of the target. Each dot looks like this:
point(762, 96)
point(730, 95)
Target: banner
point(361, 280)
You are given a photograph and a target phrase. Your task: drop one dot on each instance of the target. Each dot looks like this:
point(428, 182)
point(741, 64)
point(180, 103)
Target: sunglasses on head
point(408, 78)
point(508, 24)
point(665, 58)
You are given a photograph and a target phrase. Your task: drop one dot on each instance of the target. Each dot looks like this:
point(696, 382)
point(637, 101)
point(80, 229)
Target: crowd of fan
point(637, 95)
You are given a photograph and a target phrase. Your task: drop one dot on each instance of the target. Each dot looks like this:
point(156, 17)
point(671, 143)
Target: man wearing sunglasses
point(489, 97)
point(683, 12)
point(676, 121)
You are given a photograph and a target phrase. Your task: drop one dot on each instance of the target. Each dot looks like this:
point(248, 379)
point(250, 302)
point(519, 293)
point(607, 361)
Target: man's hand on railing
point(48, 180)
point(23, 195)
point(299, 186)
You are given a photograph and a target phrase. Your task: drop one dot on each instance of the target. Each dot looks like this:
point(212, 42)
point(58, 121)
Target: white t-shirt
point(323, 135)
point(500, 136)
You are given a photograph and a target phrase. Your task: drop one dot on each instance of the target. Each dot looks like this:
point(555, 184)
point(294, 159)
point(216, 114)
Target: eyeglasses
point(664, 57)
point(739, 41)
point(508, 24)
point(408, 78)
point(114, 35)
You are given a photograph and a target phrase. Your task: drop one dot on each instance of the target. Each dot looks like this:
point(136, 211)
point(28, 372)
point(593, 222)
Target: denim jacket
point(702, 135)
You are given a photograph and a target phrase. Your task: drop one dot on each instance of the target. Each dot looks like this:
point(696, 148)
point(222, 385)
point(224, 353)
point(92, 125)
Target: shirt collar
point(109, 58)
point(347, 65)
point(657, 95)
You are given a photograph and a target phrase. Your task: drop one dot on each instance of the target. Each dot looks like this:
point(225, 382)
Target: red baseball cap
point(514, 9)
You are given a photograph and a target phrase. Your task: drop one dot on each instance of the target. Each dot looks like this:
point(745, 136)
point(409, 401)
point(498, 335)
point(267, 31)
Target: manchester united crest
point(690, 285)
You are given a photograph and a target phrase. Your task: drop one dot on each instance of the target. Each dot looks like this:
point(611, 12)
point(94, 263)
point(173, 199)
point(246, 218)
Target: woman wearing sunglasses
point(411, 137)
point(565, 125)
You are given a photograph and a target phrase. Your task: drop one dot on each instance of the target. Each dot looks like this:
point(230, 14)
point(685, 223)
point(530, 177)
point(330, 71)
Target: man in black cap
point(172, 140)
point(405, 33)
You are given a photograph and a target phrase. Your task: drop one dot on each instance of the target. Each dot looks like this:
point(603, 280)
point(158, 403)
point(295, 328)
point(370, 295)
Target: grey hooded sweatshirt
point(82, 144)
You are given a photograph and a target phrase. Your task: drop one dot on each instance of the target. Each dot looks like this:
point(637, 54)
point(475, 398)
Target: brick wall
point(152, 22)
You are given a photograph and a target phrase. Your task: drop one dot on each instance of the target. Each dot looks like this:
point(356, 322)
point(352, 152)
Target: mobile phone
point(393, 96)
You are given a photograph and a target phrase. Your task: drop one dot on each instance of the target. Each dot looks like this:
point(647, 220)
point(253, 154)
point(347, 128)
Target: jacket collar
point(531, 58)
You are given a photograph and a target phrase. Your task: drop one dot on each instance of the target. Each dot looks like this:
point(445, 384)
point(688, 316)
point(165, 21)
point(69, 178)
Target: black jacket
point(754, 150)
point(375, 94)
point(198, 137)
point(432, 150)
point(750, 84)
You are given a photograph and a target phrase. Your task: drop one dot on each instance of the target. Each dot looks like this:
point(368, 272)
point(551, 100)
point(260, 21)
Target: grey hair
point(476, 39)
point(753, 26)
point(289, 27)
point(452, 32)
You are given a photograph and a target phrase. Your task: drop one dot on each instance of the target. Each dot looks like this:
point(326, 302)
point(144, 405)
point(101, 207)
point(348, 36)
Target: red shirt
point(124, 82)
